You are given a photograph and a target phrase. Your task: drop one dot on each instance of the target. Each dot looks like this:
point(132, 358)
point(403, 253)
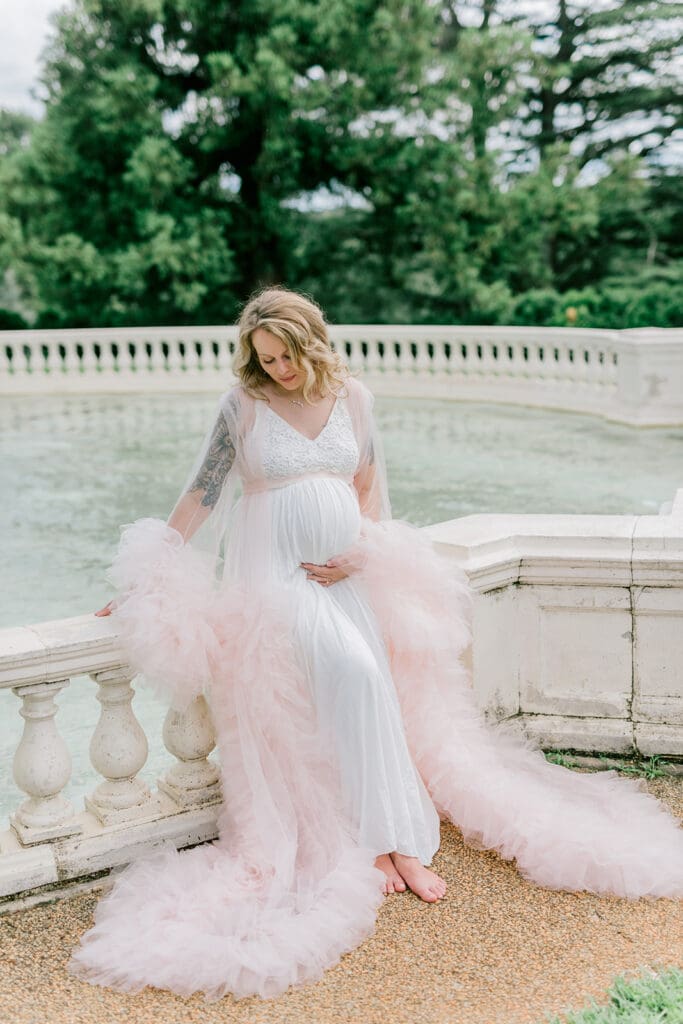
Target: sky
point(23, 36)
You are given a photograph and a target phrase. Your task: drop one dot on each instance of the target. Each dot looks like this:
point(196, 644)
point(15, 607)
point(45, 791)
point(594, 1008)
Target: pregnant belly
point(313, 520)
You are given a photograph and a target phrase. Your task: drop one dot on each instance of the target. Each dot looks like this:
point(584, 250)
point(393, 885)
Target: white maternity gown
point(339, 642)
point(344, 718)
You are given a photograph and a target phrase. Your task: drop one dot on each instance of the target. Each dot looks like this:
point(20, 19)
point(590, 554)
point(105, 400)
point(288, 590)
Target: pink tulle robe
point(297, 677)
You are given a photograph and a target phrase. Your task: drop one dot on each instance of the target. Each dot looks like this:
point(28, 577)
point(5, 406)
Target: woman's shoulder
point(238, 408)
point(357, 388)
point(235, 397)
point(358, 394)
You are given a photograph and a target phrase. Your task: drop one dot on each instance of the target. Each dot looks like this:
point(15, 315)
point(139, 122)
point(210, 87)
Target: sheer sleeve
point(370, 480)
point(367, 486)
point(202, 513)
point(166, 573)
point(207, 480)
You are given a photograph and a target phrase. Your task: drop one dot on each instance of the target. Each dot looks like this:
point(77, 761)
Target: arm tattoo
point(217, 462)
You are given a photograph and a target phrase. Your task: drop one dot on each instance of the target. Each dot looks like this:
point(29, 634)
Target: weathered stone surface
point(557, 732)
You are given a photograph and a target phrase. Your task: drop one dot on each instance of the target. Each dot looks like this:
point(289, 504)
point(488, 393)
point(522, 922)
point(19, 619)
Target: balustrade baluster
point(584, 367)
point(89, 361)
point(71, 363)
point(28, 359)
point(210, 351)
point(517, 364)
point(156, 358)
point(595, 368)
point(552, 355)
point(467, 354)
point(7, 356)
point(563, 367)
point(440, 362)
point(373, 359)
point(392, 363)
point(51, 361)
point(486, 364)
point(190, 359)
point(196, 347)
point(355, 358)
point(139, 360)
point(174, 360)
point(529, 361)
point(118, 750)
point(588, 360)
point(389, 359)
point(224, 356)
point(135, 355)
point(143, 357)
point(539, 359)
point(406, 361)
point(423, 361)
point(129, 355)
point(189, 736)
point(456, 362)
point(107, 358)
point(209, 359)
point(42, 768)
point(611, 370)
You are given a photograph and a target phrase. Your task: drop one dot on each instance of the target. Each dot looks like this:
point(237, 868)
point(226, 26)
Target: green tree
point(419, 160)
point(593, 81)
point(178, 131)
point(605, 76)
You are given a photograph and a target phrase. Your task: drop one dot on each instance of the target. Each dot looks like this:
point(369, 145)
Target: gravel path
point(497, 950)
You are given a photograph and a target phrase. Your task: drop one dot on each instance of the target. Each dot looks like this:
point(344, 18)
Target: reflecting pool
point(74, 468)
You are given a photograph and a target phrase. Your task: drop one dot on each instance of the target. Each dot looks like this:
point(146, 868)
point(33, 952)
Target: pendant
point(295, 401)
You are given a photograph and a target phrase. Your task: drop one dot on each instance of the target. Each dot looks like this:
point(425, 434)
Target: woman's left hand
point(326, 574)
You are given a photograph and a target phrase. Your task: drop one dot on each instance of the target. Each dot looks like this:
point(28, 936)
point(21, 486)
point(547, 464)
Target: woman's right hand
point(108, 608)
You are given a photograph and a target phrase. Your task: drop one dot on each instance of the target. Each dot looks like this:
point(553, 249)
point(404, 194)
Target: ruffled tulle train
point(287, 889)
point(565, 830)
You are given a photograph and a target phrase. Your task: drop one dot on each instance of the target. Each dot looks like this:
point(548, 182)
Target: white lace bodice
point(288, 453)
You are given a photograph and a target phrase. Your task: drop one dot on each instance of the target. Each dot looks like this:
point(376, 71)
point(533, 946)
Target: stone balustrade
point(49, 839)
point(578, 625)
point(578, 640)
point(633, 376)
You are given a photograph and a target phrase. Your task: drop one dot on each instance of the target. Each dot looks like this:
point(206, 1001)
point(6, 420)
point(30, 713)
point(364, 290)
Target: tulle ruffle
point(165, 611)
point(566, 830)
point(206, 920)
point(286, 890)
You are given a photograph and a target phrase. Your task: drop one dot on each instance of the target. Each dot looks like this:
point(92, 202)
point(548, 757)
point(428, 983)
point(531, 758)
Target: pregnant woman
point(328, 641)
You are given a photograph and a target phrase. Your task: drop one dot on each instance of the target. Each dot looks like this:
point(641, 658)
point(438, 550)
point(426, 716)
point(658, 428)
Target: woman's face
point(274, 357)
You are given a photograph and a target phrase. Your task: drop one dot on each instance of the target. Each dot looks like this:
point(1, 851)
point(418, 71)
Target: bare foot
point(394, 882)
point(108, 608)
point(423, 882)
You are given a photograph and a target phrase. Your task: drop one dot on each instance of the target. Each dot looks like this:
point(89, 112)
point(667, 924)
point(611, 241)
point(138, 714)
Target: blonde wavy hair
point(299, 322)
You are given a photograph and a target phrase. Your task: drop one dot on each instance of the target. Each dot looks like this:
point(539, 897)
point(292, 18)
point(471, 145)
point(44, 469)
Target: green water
point(72, 469)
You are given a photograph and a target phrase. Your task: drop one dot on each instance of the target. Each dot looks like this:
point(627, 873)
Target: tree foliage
point(401, 160)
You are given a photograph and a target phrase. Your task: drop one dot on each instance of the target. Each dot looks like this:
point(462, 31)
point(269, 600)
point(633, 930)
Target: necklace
point(294, 401)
